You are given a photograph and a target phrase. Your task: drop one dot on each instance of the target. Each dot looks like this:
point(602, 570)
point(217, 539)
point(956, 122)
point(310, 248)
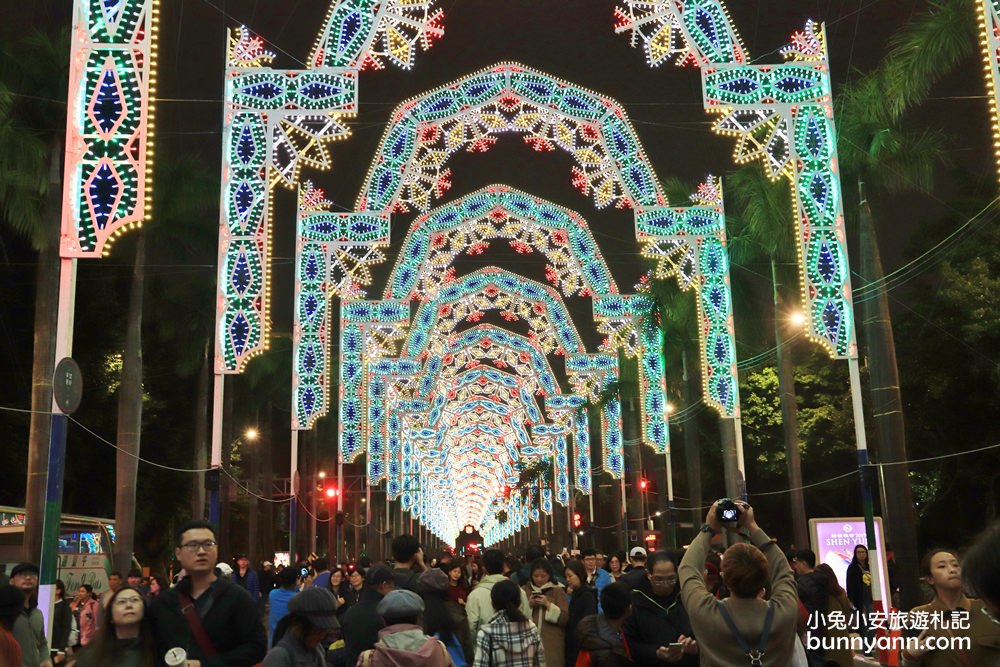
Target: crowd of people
point(746, 604)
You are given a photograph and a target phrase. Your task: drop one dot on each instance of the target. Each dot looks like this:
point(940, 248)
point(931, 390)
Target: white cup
point(175, 657)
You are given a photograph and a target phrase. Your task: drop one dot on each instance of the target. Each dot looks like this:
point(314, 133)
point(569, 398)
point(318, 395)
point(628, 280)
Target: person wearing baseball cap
point(361, 622)
point(29, 627)
point(298, 639)
point(402, 643)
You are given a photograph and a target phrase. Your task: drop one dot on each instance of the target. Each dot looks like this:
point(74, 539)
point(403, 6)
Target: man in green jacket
point(478, 607)
point(747, 568)
point(29, 627)
point(232, 634)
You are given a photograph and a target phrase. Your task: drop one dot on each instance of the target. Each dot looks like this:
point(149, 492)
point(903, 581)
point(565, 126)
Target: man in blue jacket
point(596, 576)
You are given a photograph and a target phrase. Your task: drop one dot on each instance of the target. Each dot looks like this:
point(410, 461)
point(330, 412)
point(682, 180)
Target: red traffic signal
point(577, 520)
point(643, 484)
point(331, 492)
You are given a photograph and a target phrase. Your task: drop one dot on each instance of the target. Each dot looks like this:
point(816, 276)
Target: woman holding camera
point(549, 610)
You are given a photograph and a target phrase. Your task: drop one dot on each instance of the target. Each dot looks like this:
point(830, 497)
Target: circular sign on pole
point(67, 385)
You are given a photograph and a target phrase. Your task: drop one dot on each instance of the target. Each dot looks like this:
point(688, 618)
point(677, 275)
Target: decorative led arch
point(781, 115)
point(569, 411)
point(690, 244)
point(575, 263)
point(989, 26)
point(109, 148)
point(491, 288)
point(408, 170)
point(590, 375)
point(276, 122)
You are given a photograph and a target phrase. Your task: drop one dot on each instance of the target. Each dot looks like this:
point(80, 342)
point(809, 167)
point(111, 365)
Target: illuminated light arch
point(109, 147)
point(590, 375)
point(276, 122)
point(488, 344)
point(690, 244)
point(466, 114)
point(491, 288)
point(989, 37)
point(575, 263)
point(689, 32)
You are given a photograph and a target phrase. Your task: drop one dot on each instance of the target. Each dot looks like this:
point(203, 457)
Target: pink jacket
point(86, 617)
point(405, 646)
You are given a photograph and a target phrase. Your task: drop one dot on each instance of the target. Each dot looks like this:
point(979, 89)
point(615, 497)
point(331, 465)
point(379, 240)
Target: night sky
point(573, 40)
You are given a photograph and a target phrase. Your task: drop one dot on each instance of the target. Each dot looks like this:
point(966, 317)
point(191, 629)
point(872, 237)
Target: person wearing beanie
point(298, 639)
point(402, 643)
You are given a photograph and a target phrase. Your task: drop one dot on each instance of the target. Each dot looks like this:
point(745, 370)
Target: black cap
point(24, 567)
point(379, 574)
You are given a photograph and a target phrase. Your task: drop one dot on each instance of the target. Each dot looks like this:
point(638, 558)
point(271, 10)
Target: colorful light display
point(109, 122)
point(467, 114)
point(989, 37)
point(689, 32)
point(276, 122)
point(527, 223)
point(333, 255)
point(690, 243)
point(591, 375)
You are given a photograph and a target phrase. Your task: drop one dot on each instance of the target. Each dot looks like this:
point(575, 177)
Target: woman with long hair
point(338, 584)
point(442, 618)
point(458, 588)
point(582, 603)
point(549, 610)
point(86, 610)
point(125, 638)
point(11, 606)
point(836, 603)
point(509, 639)
point(859, 586)
point(298, 639)
point(616, 565)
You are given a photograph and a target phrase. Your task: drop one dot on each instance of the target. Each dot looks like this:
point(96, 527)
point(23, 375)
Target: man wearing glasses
point(658, 631)
point(214, 621)
point(29, 627)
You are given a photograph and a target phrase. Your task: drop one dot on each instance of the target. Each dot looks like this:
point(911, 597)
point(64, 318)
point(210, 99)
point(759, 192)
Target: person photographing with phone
point(746, 629)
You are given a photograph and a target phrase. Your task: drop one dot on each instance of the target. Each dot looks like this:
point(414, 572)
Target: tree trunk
point(887, 414)
point(201, 408)
point(43, 359)
point(692, 453)
point(789, 418)
point(130, 417)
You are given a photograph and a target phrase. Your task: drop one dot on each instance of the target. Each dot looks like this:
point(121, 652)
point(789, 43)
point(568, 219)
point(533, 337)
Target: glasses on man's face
point(663, 581)
point(207, 545)
point(124, 602)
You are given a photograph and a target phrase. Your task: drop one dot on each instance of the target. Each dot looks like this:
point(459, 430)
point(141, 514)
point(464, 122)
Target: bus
point(84, 548)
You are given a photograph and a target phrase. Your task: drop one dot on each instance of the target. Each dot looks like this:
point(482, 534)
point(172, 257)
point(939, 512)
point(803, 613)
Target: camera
point(727, 511)
point(305, 572)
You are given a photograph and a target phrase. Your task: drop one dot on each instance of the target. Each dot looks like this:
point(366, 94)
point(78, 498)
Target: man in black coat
point(233, 633)
point(659, 619)
point(362, 623)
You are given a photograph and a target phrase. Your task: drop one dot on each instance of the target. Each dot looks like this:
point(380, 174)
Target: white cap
point(637, 551)
point(225, 568)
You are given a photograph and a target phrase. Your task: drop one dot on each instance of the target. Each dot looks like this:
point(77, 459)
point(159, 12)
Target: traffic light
point(577, 521)
point(331, 493)
point(643, 484)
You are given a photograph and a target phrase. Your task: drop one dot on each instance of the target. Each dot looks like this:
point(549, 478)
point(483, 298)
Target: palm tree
point(880, 155)
point(186, 197)
point(32, 119)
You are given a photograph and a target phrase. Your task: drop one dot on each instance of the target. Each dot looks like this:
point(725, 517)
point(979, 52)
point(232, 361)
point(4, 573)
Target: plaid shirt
point(503, 643)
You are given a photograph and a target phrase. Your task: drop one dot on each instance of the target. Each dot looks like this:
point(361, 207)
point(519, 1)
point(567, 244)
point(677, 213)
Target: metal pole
point(340, 504)
point(879, 594)
point(368, 516)
point(672, 518)
point(214, 508)
point(740, 463)
point(294, 500)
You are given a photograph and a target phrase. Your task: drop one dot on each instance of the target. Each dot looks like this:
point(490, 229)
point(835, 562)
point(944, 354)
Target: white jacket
point(480, 609)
